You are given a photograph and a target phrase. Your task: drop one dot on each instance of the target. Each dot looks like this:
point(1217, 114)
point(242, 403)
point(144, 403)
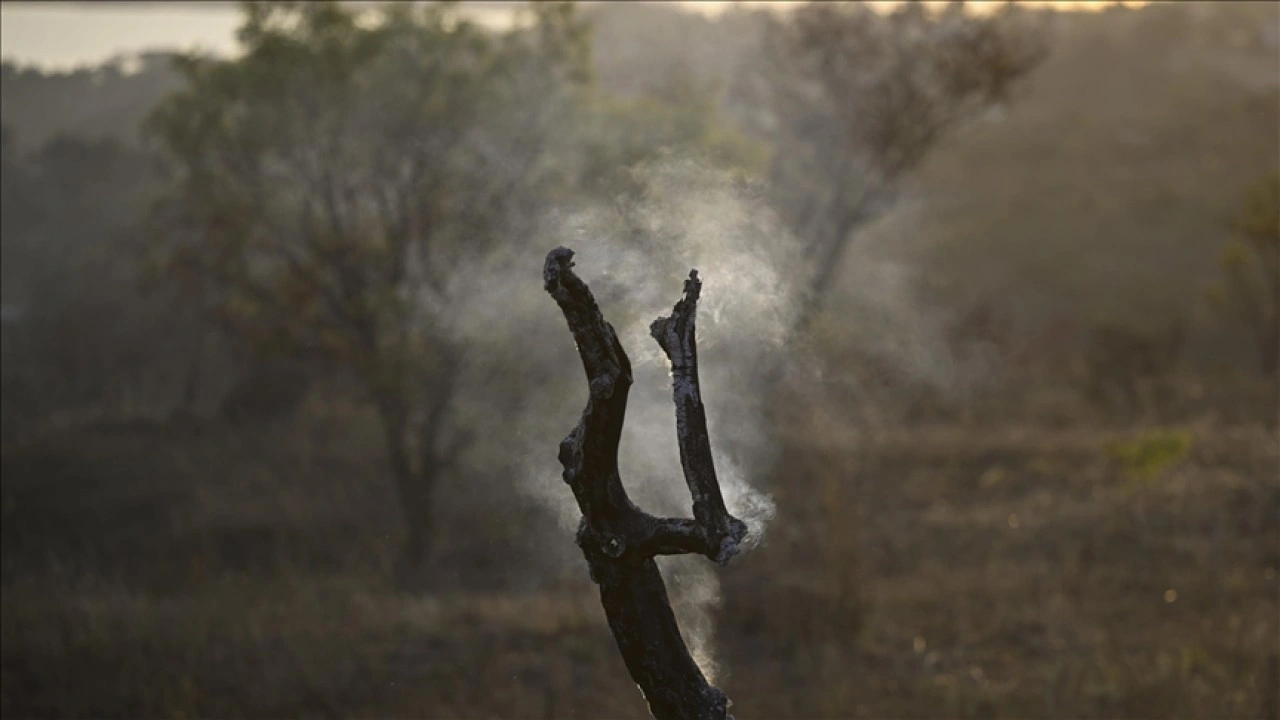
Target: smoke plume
point(635, 253)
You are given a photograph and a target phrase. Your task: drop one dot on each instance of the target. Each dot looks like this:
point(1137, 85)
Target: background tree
point(1250, 290)
point(859, 98)
point(331, 180)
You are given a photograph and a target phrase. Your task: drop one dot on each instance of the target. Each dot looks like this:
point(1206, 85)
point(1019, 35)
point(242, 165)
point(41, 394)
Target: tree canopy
point(329, 184)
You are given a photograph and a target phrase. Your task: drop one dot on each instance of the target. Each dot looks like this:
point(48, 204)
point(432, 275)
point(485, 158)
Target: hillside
point(104, 102)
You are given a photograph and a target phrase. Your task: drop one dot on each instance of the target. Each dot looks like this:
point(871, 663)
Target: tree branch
point(675, 334)
point(618, 539)
point(590, 453)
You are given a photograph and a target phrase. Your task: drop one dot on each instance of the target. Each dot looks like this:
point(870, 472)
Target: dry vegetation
point(936, 570)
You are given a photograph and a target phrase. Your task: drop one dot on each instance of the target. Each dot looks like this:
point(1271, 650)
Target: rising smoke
point(635, 253)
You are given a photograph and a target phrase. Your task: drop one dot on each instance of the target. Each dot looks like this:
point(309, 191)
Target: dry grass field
point(937, 570)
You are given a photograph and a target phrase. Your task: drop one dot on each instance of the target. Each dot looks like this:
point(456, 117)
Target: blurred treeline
point(238, 421)
point(1076, 223)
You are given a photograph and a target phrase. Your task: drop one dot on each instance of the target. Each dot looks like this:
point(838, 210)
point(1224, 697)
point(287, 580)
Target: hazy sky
point(63, 35)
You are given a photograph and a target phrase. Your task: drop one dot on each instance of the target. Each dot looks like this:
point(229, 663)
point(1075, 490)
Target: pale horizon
point(60, 37)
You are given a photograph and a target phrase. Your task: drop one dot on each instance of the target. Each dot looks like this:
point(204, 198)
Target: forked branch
point(675, 334)
point(619, 539)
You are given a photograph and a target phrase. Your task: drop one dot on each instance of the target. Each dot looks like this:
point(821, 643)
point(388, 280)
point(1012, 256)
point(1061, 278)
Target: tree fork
point(618, 539)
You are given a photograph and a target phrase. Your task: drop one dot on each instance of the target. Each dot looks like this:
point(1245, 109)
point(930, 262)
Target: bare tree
point(859, 99)
point(618, 539)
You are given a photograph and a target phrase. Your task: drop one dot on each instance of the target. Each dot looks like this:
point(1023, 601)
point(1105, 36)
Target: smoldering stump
point(618, 539)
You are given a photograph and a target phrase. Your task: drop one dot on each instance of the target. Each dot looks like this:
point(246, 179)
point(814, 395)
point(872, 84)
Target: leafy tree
point(1250, 291)
point(328, 183)
point(859, 98)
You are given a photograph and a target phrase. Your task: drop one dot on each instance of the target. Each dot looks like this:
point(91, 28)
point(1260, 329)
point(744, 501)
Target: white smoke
point(635, 256)
point(636, 261)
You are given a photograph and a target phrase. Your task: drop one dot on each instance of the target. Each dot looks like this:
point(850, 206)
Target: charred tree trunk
point(618, 539)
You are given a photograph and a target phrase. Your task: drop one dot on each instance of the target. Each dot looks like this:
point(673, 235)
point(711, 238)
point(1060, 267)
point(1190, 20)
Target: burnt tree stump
point(618, 539)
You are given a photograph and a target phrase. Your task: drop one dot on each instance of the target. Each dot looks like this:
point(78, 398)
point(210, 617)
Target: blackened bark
point(675, 334)
point(618, 539)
